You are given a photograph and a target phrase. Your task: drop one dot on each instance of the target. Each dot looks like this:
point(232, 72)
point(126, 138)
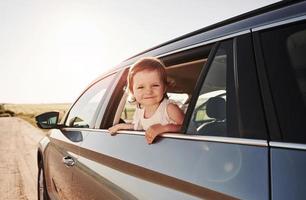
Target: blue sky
point(52, 49)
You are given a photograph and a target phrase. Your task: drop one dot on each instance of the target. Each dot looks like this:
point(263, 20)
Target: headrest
point(216, 108)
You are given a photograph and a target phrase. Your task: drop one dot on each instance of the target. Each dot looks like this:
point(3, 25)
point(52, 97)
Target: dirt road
point(18, 170)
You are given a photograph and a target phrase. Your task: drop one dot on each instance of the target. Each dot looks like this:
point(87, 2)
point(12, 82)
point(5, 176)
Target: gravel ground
point(18, 168)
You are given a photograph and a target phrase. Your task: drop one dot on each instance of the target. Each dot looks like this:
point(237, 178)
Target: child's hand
point(152, 132)
point(158, 129)
point(112, 130)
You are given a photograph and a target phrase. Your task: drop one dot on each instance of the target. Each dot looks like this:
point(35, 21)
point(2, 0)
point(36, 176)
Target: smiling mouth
point(148, 97)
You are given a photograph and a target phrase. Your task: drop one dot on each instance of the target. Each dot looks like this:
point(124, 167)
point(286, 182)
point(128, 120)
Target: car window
point(228, 103)
point(83, 111)
point(284, 50)
point(209, 114)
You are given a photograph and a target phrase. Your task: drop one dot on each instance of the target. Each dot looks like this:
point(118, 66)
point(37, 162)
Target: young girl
point(147, 82)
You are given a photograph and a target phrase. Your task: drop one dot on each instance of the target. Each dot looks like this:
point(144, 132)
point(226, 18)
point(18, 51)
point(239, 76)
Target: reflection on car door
point(61, 156)
point(124, 165)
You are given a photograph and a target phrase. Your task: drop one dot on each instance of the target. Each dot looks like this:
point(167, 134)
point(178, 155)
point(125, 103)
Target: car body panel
point(206, 165)
point(288, 173)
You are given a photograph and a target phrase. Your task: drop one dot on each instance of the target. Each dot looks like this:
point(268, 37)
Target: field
point(29, 111)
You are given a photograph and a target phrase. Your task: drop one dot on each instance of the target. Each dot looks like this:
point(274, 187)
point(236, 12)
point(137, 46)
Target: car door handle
point(68, 161)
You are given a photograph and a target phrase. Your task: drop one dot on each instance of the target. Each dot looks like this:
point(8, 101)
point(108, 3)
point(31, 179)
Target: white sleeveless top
point(159, 117)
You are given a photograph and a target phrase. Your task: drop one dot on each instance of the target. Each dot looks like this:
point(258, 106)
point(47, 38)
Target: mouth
point(148, 97)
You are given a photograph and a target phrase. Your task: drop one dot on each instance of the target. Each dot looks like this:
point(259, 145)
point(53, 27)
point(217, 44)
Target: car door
point(217, 164)
point(281, 51)
point(62, 151)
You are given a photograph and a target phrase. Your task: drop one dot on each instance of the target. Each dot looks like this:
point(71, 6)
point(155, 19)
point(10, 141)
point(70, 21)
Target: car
point(242, 86)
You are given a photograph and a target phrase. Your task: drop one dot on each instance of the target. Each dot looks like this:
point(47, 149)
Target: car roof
point(271, 14)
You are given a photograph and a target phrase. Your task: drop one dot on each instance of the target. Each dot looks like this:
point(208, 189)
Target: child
point(147, 82)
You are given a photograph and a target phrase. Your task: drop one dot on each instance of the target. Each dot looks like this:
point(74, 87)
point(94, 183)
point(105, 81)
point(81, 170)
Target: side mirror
point(47, 120)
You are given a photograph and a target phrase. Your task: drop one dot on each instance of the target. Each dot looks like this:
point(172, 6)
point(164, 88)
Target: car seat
point(216, 109)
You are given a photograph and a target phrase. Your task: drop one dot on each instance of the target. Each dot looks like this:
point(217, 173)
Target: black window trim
point(236, 83)
point(105, 102)
point(272, 121)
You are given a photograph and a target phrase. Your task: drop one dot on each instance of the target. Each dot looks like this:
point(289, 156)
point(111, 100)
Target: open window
point(181, 80)
point(183, 70)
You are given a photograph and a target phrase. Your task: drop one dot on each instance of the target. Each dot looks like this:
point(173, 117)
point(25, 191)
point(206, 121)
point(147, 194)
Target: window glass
point(229, 101)
point(296, 47)
point(284, 54)
point(83, 112)
point(209, 115)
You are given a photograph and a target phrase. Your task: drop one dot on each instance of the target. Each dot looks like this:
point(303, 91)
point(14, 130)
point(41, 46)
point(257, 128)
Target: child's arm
point(175, 114)
point(120, 126)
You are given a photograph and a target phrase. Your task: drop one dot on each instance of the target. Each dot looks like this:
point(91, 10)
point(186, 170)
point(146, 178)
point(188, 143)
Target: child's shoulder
point(173, 103)
point(175, 113)
point(172, 106)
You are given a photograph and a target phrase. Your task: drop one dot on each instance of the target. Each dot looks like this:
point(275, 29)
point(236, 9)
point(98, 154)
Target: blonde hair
point(150, 64)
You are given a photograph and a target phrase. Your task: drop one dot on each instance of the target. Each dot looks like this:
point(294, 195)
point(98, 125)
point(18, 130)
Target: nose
point(148, 90)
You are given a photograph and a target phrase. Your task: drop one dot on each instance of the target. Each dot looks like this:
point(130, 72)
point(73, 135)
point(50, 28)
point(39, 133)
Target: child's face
point(148, 88)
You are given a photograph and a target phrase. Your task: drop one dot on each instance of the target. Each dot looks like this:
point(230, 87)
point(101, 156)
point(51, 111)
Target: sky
point(50, 50)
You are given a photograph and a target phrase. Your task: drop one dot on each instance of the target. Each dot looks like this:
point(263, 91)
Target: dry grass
point(29, 111)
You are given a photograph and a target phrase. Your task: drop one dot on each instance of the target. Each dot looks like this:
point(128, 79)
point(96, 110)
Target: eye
point(139, 87)
point(156, 85)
